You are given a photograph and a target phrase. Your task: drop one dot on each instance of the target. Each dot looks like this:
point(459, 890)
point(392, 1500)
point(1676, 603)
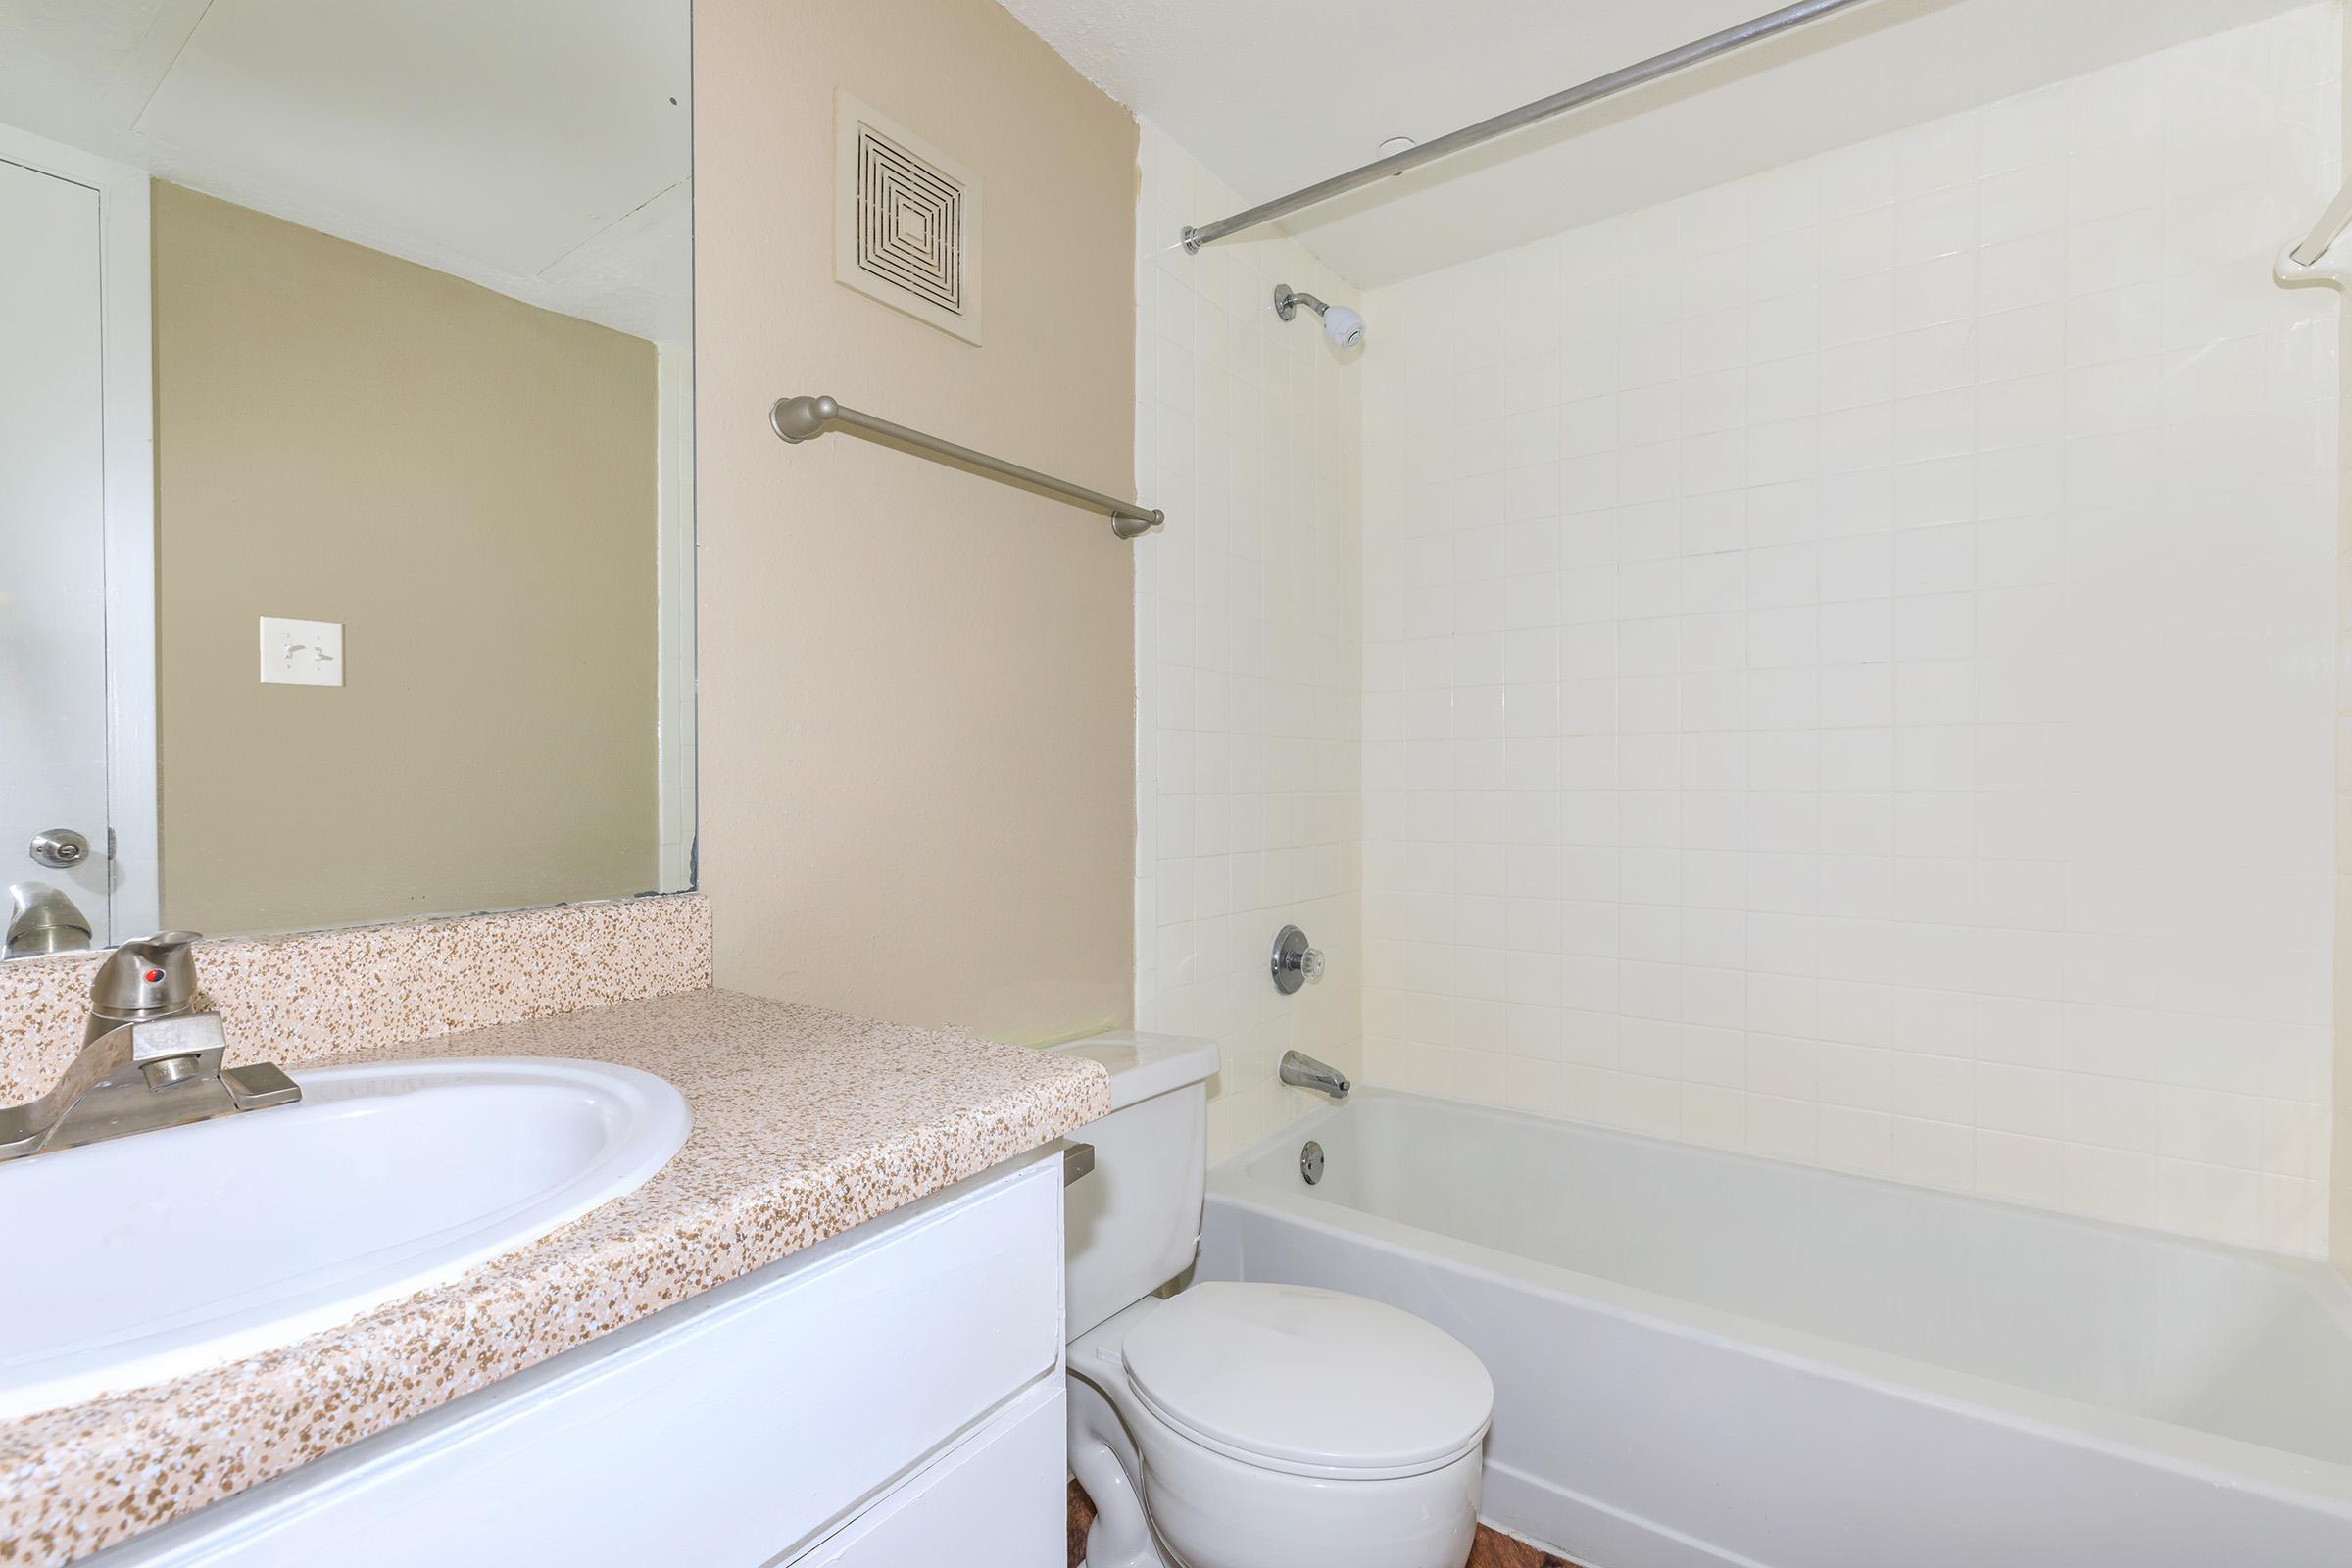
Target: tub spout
point(1303, 1071)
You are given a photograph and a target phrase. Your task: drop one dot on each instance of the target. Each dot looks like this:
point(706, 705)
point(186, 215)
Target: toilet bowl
point(1266, 1425)
point(1243, 1424)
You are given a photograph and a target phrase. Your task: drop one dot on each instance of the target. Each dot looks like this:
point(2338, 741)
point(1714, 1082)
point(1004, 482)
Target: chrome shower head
point(1344, 326)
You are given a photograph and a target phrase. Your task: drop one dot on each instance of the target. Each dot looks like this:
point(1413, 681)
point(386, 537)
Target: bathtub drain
point(1310, 1162)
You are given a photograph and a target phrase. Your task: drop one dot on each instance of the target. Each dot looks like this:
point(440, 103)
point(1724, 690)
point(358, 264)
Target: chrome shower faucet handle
point(1294, 964)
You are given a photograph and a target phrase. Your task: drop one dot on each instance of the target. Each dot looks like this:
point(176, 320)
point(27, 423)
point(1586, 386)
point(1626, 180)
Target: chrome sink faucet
point(148, 1059)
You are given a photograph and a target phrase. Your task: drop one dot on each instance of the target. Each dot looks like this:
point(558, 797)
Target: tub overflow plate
point(1310, 1162)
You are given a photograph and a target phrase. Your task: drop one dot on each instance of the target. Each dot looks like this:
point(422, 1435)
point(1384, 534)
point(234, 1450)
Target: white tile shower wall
point(2341, 1123)
point(1249, 702)
point(1847, 666)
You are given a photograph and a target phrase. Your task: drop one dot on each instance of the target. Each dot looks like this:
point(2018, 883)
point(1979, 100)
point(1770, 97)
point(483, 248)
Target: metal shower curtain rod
point(1754, 30)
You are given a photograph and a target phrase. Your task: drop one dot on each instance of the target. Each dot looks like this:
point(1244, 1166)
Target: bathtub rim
point(2210, 1458)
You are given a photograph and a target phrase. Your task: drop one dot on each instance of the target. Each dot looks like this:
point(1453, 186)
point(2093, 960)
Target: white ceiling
point(1275, 94)
point(542, 153)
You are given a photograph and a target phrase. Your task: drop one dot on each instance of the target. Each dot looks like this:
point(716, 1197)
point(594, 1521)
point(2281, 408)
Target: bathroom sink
point(153, 1255)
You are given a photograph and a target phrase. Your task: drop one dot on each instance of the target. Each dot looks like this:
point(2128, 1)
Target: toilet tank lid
point(1145, 1064)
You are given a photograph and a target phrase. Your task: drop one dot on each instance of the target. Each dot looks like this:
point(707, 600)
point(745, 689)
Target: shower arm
point(1739, 35)
point(1287, 301)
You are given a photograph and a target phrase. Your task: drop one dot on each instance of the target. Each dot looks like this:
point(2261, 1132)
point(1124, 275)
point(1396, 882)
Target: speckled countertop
point(806, 1123)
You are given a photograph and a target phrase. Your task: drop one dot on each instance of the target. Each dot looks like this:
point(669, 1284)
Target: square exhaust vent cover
point(906, 221)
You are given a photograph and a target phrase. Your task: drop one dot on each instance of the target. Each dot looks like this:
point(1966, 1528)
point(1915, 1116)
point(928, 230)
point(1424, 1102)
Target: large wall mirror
point(345, 455)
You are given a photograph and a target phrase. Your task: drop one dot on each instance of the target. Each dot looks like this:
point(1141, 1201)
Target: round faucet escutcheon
point(1294, 963)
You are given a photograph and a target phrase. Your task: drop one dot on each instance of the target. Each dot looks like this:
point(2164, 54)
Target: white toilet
point(1244, 1426)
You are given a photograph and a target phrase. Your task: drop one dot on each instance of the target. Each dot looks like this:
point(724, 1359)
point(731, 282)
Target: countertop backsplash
point(298, 997)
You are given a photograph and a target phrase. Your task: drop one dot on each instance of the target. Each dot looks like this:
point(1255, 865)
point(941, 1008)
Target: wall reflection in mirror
point(346, 435)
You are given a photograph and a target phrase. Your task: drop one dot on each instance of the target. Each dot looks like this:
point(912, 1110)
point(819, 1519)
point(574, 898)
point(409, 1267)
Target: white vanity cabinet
point(891, 1397)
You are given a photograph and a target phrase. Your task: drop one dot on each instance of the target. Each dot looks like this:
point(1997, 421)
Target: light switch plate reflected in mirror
point(301, 653)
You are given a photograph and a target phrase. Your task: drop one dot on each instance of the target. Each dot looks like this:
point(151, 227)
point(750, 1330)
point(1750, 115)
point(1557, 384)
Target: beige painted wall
point(465, 482)
point(917, 687)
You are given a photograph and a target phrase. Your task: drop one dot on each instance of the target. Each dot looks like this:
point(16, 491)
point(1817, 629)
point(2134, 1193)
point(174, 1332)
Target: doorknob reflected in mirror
point(60, 849)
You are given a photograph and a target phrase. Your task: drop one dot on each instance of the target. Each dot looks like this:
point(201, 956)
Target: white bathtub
point(1707, 1358)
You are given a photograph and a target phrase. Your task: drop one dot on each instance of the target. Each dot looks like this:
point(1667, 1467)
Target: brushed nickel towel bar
point(805, 419)
point(1753, 30)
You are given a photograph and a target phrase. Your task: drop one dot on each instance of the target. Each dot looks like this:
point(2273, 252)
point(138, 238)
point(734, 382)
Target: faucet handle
point(154, 975)
point(1294, 961)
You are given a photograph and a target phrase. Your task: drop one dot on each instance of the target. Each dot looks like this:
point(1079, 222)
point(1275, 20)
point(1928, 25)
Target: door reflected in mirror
point(346, 435)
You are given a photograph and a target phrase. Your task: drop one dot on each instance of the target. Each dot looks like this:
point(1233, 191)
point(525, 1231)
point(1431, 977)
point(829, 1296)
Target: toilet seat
point(1308, 1382)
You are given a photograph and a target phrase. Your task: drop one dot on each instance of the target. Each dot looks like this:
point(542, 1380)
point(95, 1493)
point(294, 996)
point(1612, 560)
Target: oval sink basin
point(163, 1253)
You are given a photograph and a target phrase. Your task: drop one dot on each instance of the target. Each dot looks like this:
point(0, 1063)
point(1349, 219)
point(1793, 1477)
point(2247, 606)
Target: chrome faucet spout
point(1303, 1071)
point(149, 1058)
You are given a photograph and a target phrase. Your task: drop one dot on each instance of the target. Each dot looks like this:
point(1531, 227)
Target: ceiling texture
point(544, 154)
point(1275, 94)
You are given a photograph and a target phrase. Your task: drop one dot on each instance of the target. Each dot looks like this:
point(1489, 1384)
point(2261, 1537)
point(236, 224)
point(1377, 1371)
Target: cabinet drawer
point(737, 1429)
point(998, 1500)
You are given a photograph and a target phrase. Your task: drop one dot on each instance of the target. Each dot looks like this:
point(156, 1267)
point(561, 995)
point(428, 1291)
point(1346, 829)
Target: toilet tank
point(1134, 1222)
